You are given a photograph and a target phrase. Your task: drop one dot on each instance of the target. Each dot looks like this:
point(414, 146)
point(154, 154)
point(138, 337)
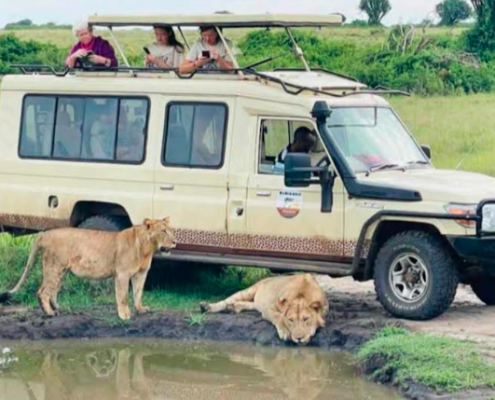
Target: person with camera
point(208, 53)
point(90, 50)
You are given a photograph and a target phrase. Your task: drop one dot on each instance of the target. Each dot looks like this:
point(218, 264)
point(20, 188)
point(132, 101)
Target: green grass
point(442, 364)
point(178, 289)
point(457, 128)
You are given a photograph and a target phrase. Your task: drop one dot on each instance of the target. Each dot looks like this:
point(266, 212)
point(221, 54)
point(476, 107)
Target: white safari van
point(105, 149)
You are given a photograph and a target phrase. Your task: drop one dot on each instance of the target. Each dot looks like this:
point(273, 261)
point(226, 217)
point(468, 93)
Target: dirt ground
point(355, 315)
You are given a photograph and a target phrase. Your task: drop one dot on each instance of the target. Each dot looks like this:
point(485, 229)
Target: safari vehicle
point(365, 202)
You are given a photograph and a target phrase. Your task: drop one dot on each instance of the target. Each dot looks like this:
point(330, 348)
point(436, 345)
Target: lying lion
point(124, 255)
point(295, 304)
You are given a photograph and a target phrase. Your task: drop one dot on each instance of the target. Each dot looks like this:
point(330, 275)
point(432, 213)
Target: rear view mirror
point(299, 173)
point(427, 150)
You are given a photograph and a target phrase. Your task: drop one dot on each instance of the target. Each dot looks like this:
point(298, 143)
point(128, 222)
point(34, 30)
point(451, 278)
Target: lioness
point(295, 304)
point(124, 255)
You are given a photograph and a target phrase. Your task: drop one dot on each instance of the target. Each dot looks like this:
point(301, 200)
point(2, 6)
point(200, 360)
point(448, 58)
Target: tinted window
point(68, 127)
point(37, 126)
point(100, 129)
point(195, 135)
point(131, 132)
point(84, 128)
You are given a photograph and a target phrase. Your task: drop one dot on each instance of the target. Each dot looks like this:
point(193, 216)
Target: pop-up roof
point(222, 20)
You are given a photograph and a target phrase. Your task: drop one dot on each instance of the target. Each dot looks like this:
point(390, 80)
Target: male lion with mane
point(126, 256)
point(295, 304)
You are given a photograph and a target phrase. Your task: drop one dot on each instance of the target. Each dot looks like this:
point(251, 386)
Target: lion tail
point(32, 257)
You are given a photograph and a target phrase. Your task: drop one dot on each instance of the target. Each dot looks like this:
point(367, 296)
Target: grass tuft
point(442, 364)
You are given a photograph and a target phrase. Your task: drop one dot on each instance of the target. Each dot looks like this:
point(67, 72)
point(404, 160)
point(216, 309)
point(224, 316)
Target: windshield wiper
point(381, 167)
point(418, 162)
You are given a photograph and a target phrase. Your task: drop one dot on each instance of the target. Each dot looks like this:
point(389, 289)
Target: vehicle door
point(192, 173)
point(288, 222)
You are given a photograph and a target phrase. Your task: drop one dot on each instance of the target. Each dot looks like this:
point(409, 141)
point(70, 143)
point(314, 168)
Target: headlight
point(463, 209)
point(488, 218)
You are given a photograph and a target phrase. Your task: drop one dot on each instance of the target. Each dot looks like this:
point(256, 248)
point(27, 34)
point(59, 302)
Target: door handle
point(167, 187)
point(264, 194)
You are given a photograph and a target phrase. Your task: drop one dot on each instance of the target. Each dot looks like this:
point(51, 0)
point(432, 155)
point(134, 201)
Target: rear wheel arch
point(85, 210)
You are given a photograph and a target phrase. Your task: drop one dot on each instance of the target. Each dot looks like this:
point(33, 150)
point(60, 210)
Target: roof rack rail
point(37, 68)
point(326, 71)
point(299, 89)
point(288, 87)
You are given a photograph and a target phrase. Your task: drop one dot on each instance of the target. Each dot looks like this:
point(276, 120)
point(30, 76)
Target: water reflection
point(171, 370)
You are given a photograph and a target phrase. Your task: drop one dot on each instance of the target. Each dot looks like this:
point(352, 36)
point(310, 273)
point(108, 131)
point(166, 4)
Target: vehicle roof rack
point(288, 87)
point(39, 69)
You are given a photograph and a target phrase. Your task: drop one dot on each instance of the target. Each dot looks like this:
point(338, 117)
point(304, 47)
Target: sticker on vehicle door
point(289, 204)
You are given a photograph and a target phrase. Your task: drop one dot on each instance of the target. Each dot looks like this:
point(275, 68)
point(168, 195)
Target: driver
point(304, 141)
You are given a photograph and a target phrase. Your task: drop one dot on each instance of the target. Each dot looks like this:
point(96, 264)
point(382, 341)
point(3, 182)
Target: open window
point(277, 138)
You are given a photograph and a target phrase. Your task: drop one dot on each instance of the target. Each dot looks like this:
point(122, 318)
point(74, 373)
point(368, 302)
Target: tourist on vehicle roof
point(90, 50)
point(209, 52)
point(166, 52)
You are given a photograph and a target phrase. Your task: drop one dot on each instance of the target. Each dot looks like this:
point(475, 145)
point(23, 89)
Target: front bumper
point(478, 251)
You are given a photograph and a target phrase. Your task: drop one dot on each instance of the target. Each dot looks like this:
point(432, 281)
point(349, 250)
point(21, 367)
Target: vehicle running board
point(330, 268)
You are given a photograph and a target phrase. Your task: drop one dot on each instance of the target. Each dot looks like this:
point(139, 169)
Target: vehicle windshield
point(373, 139)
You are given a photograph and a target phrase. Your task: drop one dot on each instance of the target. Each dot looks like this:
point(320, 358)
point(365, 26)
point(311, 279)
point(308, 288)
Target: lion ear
point(166, 220)
point(281, 303)
point(148, 223)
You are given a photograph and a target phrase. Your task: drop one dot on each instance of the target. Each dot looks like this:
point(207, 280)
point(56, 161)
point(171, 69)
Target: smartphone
point(206, 53)
point(146, 50)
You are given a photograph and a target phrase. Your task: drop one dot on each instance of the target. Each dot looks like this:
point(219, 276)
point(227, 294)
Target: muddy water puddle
point(168, 370)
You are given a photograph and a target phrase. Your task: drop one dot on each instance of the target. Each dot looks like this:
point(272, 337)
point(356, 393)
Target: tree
point(375, 9)
point(481, 39)
point(453, 11)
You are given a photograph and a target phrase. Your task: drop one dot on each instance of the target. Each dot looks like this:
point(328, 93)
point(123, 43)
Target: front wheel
point(416, 276)
point(484, 288)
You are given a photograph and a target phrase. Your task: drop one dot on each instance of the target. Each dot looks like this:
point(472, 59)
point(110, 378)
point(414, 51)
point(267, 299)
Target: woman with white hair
point(90, 49)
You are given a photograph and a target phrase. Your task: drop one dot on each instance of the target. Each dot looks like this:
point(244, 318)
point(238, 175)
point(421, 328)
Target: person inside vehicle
point(208, 53)
point(206, 146)
point(90, 50)
point(304, 141)
point(166, 52)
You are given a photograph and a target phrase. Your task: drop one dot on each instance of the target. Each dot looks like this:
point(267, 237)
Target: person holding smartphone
point(166, 52)
point(90, 50)
point(209, 52)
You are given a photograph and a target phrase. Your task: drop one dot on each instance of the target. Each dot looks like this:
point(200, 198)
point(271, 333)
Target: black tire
point(431, 270)
point(484, 288)
point(105, 223)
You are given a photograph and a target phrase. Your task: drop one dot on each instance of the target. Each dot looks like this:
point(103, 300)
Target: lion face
point(300, 319)
point(161, 234)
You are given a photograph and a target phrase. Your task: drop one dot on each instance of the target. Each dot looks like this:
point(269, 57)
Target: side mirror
point(299, 173)
point(427, 150)
point(297, 170)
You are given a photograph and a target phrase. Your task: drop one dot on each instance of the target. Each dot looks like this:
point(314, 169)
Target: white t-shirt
point(197, 48)
point(169, 54)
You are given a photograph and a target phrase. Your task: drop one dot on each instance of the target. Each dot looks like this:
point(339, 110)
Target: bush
point(14, 50)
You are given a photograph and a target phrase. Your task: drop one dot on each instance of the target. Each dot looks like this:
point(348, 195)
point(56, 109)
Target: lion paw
point(143, 310)
point(125, 314)
point(204, 307)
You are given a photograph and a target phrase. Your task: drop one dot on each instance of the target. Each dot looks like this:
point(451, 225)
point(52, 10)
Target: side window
point(131, 133)
point(37, 126)
point(99, 129)
point(68, 128)
point(195, 135)
point(280, 137)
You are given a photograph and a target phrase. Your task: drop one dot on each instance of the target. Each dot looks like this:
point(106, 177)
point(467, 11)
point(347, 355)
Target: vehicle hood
point(446, 186)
